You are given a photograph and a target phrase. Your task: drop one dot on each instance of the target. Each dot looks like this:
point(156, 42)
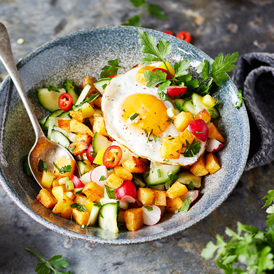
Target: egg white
point(119, 88)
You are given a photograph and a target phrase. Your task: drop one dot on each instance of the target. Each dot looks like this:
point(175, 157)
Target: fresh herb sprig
point(152, 9)
point(192, 149)
point(249, 246)
point(55, 262)
point(63, 169)
point(239, 103)
point(111, 69)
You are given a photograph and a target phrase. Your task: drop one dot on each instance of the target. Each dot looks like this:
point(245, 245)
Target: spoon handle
point(7, 59)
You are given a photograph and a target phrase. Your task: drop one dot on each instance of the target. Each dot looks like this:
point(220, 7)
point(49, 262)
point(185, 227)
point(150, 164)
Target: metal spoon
point(43, 148)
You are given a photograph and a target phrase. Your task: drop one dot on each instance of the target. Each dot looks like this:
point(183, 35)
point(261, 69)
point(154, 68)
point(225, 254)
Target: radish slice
point(151, 214)
point(85, 178)
point(214, 145)
point(193, 193)
point(99, 175)
point(77, 182)
point(128, 199)
point(126, 192)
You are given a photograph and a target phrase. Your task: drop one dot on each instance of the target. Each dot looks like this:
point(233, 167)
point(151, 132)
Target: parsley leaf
point(52, 88)
point(102, 178)
point(111, 69)
point(156, 138)
point(56, 262)
point(172, 178)
point(186, 204)
point(191, 186)
point(110, 192)
point(133, 21)
point(78, 206)
point(137, 3)
point(180, 68)
point(42, 166)
point(149, 208)
point(239, 103)
point(156, 11)
point(154, 79)
point(192, 149)
point(64, 169)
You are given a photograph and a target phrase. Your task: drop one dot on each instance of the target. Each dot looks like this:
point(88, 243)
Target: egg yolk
point(150, 113)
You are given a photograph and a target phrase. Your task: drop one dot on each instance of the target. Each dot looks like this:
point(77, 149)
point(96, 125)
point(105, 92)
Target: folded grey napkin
point(254, 75)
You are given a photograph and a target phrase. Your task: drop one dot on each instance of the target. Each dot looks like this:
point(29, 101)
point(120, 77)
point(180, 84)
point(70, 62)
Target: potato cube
point(186, 135)
point(93, 191)
point(114, 181)
point(46, 199)
point(88, 80)
point(84, 137)
point(212, 164)
point(64, 124)
point(77, 115)
point(80, 217)
point(123, 173)
point(98, 102)
point(145, 196)
point(213, 133)
point(204, 115)
point(63, 207)
point(176, 190)
point(134, 165)
point(182, 120)
point(199, 168)
point(77, 127)
point(171, 148)
point(99, 126)
point(160, 197)
point(78, 148)
point(64, 163)
point(81, 199)
point(47, 179)
point(134, 218)
point(173, 204)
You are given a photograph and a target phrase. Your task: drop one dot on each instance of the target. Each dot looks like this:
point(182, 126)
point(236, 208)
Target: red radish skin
point(98, 173)
point(193, 193)
point(151, 217)
point(89, 152)
point(214, 145)
point(176, 91)
point(199, 129)
point(137, 204)
point(126, 192)
point(77, 182)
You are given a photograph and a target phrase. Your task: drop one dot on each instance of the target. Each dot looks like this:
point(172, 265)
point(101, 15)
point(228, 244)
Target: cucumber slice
point(94, 214)
point(185, 177)
point(83, 94)
point(214, 112)
point(158, 187)
point(69, 86)
point(64, 115)
point(100, 83)
point(49, 99)
point(100, 141)
point(71, 136)
point(42, 122)
point(52, 115)
point(124, 205)
point(82, 166)
point(107, 219)
point(189, 107)
point(179, 104)
point(159, 173)
point(59, 138)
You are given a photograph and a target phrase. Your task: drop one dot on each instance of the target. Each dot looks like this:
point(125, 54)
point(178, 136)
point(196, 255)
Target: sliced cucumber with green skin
point(64, 115)
point(158, 187)
point(59, 138)
point(179, 104)
point(185, 177)
point(124, 205)
point(71, 136)
point(53, 114)
point(107, 218)
point(42, 122)
point(100, 83)
point(213, 112)
point(99, 141)
point(189, 107)
point(94, 214)
point(159, 173)
point(82, 166)
point(49, 99)
point(69, 86)
point(83, 94)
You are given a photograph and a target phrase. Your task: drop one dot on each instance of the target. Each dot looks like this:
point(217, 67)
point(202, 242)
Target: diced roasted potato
point(64, 163)
point(47, 179)
point(213, 133)
point(64, 124)
point(199, 168)
point(63, 207)
point(160, 197)
point(145, 196)
point(99, 126)
point(80, 217)
point(114, 181)
point(77, 115)
point(173, 204)
point(123, 173)
point(46, 199)
point(134, 218)
point(78, 148)
point(176, 190)
point(84, 137)
point(93, 191)
point(204, 115)
point(98, 102)
point(212, 164)
point(77, 127)
point(171, 148)
point(134, 165)
point(182, 120)
point(186, 135)
point(81, 199)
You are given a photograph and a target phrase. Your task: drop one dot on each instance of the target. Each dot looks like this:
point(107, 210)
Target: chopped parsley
point(73, 148)
point(156, 138)
point(64, 169)
point(104, 86)
point(186, 204)
point(193, 149)
point(133, 116)
point(110, 192)
point(191, 186)
point(166, 160)
point(42, 166)
point(79, 207)
point(149, 208)
point(102, 178)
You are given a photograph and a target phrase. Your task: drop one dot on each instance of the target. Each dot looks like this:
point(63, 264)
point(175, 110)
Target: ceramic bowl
point(84, 53)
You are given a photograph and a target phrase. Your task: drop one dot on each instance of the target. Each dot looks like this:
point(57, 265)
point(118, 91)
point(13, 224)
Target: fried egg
point(132, 111)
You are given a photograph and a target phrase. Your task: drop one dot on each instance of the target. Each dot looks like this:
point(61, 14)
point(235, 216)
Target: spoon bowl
point(43, 148)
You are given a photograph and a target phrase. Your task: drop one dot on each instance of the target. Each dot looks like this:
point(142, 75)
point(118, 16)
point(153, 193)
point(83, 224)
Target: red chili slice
point(65, 101)
point(111, 76)
point(184, 35)
point(112, 159)
point(168, 32)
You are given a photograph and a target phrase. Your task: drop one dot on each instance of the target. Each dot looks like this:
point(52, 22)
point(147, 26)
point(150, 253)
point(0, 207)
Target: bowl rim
point(124, 241)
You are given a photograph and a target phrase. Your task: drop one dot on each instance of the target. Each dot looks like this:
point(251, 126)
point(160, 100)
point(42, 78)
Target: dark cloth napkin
point(254, 75)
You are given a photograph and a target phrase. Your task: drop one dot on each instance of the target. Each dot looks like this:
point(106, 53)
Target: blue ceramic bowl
point(84, 53)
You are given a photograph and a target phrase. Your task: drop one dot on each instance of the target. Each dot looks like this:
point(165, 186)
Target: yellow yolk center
point(152, 113)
